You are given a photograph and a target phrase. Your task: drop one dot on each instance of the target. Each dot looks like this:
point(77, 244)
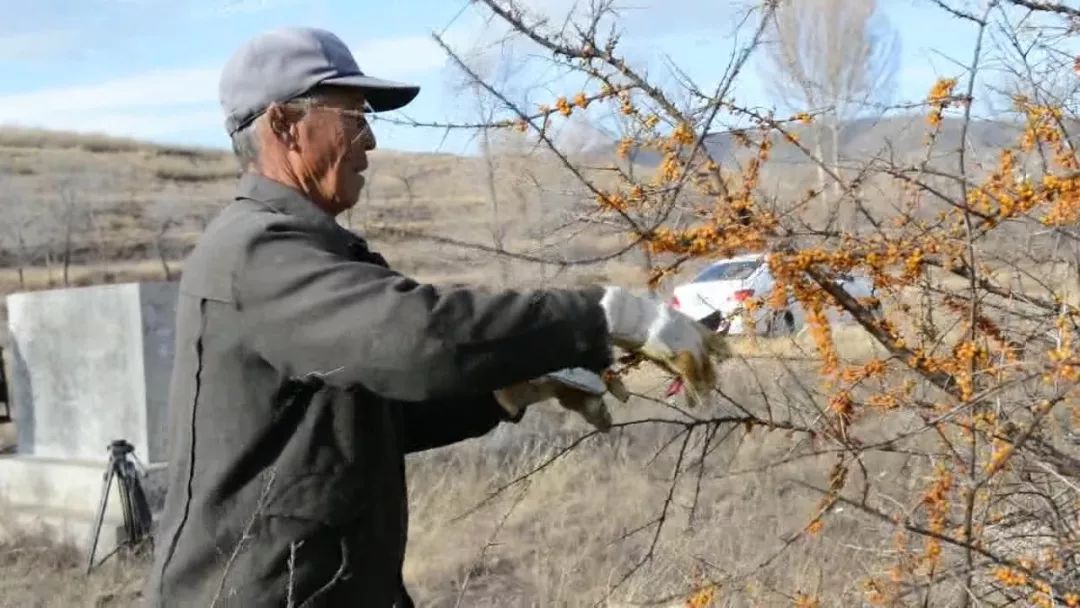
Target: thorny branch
point(1046, 6)
point(973, 359)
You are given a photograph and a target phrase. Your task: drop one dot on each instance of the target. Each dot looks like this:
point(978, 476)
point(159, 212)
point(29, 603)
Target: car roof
point(746, 257)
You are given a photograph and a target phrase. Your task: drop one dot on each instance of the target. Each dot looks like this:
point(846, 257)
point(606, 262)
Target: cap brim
point(382, 95)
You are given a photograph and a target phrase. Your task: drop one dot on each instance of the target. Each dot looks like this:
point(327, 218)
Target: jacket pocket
point(313, 483)
point(331, 499)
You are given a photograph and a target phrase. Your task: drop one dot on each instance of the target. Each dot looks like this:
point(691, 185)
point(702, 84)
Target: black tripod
point(136, 509)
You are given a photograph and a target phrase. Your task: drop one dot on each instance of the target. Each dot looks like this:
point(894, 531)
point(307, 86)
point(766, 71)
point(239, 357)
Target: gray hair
point(245, 144)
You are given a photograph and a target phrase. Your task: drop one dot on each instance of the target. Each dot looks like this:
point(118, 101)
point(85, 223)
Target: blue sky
point(148, 68)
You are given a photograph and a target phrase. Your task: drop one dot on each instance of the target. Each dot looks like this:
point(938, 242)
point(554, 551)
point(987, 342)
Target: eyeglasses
point(356, 118)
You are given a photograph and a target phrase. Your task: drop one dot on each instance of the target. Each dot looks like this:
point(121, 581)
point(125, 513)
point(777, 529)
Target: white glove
point(662, 334)
point(576, 389)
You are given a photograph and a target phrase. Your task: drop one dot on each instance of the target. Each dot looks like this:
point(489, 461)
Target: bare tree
point(497, 224)
point(68, 203)
point(20, 250)
point(18, 222)
point(837, 57)
point(101, 236)
point(160, 246)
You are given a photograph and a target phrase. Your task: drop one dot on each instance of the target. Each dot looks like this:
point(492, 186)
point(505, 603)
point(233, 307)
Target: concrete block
point(69, 485)
point(61, 527)
point(90, 365)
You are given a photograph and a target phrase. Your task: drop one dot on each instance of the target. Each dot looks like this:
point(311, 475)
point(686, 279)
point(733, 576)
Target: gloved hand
point(666, 336)
point(575, 389)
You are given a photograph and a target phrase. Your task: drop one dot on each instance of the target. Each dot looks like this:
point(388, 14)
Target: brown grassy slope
point(125, 203)
point(126, 198)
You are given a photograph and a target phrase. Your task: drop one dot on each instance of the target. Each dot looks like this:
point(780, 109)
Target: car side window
point(729, 271)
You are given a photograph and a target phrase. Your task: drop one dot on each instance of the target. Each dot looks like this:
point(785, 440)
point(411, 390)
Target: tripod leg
point(137, 516)
point(95, 533)
point(140, 507)
point(123, 484)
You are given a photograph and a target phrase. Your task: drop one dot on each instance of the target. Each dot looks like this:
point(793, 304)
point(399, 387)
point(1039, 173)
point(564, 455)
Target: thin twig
point(245, 535)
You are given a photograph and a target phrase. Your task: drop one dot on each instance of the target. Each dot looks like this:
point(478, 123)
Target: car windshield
point(727, 271)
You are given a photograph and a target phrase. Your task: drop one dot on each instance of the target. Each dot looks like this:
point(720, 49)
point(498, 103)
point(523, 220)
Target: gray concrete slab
point(90, 365)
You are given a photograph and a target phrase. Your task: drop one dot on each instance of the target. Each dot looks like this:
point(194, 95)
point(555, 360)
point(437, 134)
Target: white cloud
point(167, 123)
point(170, 101)
point(148, 89)
point(389, 58)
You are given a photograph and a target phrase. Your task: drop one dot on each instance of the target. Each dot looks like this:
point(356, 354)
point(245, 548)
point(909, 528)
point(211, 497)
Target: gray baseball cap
point(278, 65)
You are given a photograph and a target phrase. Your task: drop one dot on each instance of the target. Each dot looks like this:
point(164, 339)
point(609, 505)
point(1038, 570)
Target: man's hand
point(666, 336)
point(575, 389)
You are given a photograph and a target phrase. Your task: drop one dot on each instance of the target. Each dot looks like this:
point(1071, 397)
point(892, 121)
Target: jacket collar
point(290, 201)
point(282, 199)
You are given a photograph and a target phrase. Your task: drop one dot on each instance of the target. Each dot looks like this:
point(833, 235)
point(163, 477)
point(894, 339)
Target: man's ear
point(280, 126)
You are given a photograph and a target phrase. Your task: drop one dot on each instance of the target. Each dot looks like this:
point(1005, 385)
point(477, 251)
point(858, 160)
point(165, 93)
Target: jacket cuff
point(595, 343)
point(495, 410)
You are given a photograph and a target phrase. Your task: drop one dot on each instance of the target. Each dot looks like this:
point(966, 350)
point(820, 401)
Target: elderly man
point(306, 368)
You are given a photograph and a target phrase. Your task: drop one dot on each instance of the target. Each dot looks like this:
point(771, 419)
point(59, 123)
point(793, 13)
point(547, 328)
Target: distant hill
point(899, 137)
point(126, 204)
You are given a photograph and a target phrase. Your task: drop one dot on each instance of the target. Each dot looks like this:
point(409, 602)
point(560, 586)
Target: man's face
point(332, 142)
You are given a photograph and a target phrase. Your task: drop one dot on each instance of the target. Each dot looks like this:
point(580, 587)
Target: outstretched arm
point(311, 310)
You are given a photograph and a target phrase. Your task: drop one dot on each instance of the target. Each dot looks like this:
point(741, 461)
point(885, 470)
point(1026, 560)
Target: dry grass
point(37, 573)
point(560, 544)
point(82, 275)
point(570, 534)
point(567, 536)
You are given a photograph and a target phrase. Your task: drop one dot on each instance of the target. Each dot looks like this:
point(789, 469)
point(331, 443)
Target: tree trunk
point(161, 251)
point(21, 243)
point(848, 212)
point(67, 246)
point(103, 249)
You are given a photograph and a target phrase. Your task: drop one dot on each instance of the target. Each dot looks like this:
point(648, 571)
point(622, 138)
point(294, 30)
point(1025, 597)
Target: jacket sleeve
point(307, 310)
point(434, 424)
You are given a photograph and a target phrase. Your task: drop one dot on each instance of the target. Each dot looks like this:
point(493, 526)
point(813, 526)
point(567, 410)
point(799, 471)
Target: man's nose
point(365, 142)
point(365, 139)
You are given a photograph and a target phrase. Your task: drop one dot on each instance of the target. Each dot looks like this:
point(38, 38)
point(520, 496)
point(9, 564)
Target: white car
point(715, 297)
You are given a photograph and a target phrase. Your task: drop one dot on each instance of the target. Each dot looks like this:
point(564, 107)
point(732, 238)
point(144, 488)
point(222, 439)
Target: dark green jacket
point(305, 370)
